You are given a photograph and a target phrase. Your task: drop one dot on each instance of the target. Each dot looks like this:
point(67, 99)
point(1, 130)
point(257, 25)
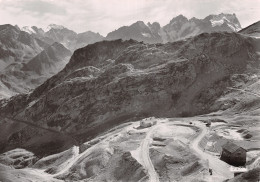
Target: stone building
point(233, 154)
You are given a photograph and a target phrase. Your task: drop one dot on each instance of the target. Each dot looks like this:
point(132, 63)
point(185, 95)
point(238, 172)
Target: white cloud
point(106, 15)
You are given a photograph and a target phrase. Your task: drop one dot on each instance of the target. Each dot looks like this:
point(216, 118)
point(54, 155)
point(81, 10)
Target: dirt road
point(146, 156)
point(220, 168)
point(71, 161)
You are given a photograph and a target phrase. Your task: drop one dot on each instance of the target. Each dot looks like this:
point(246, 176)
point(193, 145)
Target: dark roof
point(231, 147)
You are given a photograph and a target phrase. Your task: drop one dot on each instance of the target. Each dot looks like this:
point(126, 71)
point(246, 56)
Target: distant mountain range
point(178, 28)
point(58, 33)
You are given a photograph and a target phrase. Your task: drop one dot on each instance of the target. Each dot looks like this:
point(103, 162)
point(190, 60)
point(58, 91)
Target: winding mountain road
point(71, 161)
point(153, 176)
point(220, 169)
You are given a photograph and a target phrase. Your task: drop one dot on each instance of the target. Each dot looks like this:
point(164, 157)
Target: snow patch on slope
point(54, 26)
point(216, 21)
point(28, 29)
point(146, 35)
point(233, 28)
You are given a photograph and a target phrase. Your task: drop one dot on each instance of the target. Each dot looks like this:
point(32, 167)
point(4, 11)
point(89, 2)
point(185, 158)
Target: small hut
point(208, 123)
point(148, 122)
point(233, 154)
point(145, 124)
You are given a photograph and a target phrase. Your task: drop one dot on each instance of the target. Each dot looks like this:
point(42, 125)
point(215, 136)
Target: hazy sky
point(104, 16)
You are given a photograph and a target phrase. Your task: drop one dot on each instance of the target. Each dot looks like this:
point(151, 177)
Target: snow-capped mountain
point(28, 29)
point(229, 19)
point(180, 27)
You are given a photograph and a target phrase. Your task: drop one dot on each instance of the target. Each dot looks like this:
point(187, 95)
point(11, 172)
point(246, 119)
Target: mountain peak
point(8, 26)
point(54, 26)
point(154, 24)
point(180, 16)
point(179, 19)
point(140, 24)
point(223, 18)
point(28, 29)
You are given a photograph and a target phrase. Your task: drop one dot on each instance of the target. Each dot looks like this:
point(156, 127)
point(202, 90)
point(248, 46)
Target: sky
point(104, 16)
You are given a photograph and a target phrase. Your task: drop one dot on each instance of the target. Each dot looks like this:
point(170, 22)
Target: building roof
point(231, 147)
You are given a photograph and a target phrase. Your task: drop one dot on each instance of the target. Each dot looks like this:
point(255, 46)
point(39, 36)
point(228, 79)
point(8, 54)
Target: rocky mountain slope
point(178, 28)
point(88, 37)
point(49, 61)
point(109, 82)
point(252, 30)
point(23, 77)
point(17, 46)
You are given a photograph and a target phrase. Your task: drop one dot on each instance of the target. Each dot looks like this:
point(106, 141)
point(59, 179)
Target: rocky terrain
point(252, 30)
